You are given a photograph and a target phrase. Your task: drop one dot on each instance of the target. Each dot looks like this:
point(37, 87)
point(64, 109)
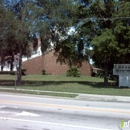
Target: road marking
point(65, 106)
point(24, 113)
point(56, 124)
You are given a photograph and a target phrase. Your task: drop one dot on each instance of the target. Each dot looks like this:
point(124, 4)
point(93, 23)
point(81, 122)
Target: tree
point(17, 30)
point(106, 25)
point(5, 35)
point(35, 17)
point(111, 44)
point(57, 23)
point(56, 19)
point(66, 52)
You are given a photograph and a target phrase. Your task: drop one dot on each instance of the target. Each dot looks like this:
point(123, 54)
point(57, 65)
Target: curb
point(87, 97)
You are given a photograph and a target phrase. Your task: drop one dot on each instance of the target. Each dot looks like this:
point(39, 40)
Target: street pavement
point(31, 112)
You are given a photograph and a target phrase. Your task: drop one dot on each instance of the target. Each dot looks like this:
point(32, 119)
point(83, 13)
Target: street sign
point(16, 59)
point(123, 70)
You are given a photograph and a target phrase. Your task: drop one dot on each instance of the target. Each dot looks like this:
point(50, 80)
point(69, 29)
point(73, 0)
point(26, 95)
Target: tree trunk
point(2, 67)
point(11, 64)
point(106, 72)
point(2, 62)
point(117, 80)
point(106, 77)
point(70, 63)
point(19, 69)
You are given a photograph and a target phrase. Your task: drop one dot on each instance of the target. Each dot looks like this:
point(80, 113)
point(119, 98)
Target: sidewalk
point(87, 97)
point(92, 97)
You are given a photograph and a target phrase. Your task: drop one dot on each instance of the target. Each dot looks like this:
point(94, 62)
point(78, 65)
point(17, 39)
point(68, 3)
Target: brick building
point(48, 62)
point(38, 62)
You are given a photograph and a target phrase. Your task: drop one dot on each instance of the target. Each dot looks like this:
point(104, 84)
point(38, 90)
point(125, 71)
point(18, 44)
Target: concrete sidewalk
point(87, 97)
point(93, 97)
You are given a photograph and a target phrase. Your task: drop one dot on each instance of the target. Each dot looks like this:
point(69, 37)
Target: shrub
point(23, 71)
point(73, 72)
point(93, 74)
point(43, 72)
point(12, 72)
point(7, 72)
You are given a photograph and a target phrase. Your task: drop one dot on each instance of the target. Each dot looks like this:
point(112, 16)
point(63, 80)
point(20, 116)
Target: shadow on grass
point(45, 83)
point(7, 82)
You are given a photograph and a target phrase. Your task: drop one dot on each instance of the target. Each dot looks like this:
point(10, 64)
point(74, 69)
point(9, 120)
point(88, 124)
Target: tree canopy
point(103, 25)
point(22, 19)
point(106, 25)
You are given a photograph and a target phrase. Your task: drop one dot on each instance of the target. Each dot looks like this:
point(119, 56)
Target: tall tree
point(5, 29)
point(106, 26)
point(17, 30)
point(112, 38)
point(49, 19)
point(57, 18)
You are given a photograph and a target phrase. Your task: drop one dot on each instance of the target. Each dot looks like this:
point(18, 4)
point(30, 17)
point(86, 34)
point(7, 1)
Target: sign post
point(123, 70)
point(16, 63)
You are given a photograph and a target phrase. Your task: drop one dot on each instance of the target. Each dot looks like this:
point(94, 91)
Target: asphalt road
point(24, 112)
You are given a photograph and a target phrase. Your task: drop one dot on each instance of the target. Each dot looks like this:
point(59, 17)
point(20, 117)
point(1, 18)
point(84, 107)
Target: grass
point(41, 93)
point(61, 83)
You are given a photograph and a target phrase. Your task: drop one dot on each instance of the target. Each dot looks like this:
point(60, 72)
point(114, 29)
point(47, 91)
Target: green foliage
point(50, 19)
point(111, 43)
point(7, 72)
point(44, 72)
point(24, 71)
point(73, 72)
point(12, 72)
point(104, 25)
point(66, 52)
point(107, 28)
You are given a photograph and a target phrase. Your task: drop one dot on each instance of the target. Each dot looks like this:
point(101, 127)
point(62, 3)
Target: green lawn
point(61, 83)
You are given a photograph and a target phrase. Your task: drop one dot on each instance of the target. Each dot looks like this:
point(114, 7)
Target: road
point(24, 112)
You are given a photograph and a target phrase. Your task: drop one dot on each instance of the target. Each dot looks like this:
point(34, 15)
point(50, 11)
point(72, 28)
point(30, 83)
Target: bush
point(23, 71)
point(73, 72)
point(7, 72)
point(93, 74)
point(43, 72)
point(12, 72)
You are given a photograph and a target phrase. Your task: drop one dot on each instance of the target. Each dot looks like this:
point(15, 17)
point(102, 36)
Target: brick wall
point(48, 63)
point(33, 66)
